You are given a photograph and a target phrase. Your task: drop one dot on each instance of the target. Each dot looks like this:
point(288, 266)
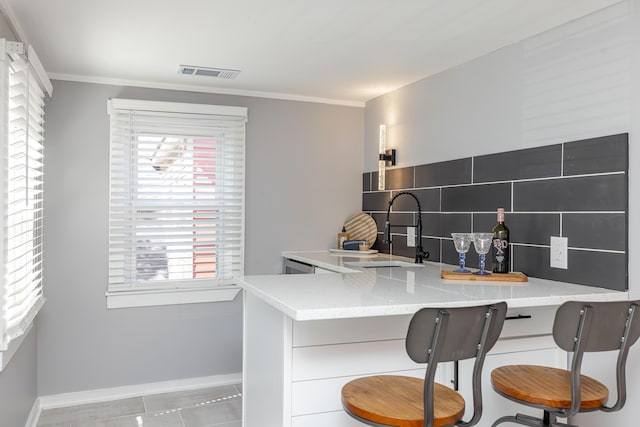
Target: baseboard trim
point(34, 415)
point(124, 392)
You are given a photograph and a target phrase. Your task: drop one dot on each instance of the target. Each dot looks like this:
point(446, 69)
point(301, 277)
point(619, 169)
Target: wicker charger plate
point(361, 226)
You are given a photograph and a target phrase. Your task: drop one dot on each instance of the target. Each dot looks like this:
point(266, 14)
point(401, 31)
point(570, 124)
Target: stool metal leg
point(549, 420)
point(518, 419)
point(510, 419)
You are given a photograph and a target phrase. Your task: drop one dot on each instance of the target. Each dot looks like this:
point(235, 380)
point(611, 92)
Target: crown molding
point(13, 22)
point(202, 89)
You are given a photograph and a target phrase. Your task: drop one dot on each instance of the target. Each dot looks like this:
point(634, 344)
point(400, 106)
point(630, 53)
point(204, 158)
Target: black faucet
point(386, 239)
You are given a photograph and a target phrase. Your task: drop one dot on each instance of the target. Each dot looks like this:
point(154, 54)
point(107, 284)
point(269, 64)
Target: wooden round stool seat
point(550, 387)
point(398, 401)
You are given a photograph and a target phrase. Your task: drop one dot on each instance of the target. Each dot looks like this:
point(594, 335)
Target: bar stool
point(578, 327)
point(434, 335)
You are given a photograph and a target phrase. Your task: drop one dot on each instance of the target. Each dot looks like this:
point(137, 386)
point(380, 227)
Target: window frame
point(118, 297)
point(34, 86)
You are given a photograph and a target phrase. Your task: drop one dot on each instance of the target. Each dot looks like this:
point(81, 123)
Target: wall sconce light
point(385, 157)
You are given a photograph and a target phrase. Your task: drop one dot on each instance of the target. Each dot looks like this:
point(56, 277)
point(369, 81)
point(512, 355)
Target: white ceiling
point(342, 51)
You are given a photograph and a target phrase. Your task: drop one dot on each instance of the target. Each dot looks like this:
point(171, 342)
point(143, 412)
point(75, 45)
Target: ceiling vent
point(188, 70)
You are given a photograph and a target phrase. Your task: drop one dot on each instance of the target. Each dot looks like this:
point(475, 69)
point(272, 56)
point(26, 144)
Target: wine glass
point(482, 243)
point(462, 242)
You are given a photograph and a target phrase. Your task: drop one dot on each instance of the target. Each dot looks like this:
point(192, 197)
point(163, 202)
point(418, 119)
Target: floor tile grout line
point(145, 408)
point(181, 419)
point(144, 405)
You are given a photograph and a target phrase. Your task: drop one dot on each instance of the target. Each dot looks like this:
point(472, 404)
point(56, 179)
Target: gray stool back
point(581, 327)
point(452, 334)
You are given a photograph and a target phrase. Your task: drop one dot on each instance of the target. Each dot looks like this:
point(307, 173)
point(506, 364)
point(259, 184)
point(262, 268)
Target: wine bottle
point(500, 245)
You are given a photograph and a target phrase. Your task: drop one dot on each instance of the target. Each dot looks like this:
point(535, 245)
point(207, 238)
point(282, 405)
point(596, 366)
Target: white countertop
point(365, 292)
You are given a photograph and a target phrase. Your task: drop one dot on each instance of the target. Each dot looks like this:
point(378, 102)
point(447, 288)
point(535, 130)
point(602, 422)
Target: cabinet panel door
point(355, 359)
point(309, 397)
point(528, 321)
point(341, 331)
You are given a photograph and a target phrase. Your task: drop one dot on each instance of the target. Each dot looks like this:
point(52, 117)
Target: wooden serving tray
point(361, 226)
point(514, 276)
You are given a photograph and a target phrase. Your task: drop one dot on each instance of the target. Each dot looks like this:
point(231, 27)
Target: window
point(176, 223)
point(21, 179)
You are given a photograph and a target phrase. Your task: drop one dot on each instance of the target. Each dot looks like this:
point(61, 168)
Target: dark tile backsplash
point(366, 182)
point(534, 228)
point(444, 173)
point(399, 178)
point(597, 155)
point(429, 200)
point(593, 268)
point(376, 201)
point(596, 230)
point(521, 164)
point(577, 189)
point(446, 223)
point(482, 197)
point(584, 193)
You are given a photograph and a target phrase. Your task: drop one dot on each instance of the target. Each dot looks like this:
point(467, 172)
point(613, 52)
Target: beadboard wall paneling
point(575, 189)
point(576, 78)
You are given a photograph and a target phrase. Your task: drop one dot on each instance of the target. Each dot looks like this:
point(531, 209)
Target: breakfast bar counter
point(306, 335)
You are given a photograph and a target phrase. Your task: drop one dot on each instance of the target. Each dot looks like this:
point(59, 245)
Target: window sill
point(125, 299)
point(5, 356)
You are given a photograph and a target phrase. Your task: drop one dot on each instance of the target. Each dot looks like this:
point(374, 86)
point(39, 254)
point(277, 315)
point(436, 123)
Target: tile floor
point(209, 407)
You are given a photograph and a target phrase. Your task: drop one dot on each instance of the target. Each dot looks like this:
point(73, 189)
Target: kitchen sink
point(383, 263)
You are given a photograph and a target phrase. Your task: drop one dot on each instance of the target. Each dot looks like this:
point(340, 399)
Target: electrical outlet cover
point(411, 237)
point(559, 252)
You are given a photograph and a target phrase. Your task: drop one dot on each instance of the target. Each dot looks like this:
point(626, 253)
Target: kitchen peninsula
point(307, 335)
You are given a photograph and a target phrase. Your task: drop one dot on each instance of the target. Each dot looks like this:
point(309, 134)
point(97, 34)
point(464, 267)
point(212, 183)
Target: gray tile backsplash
point(584, 193)
point(444, 173)
point(578, 189)
point(366, 182)
point(532, 228)
point(481, 197)
point(521, 164)
point(596, 230)
point(593, 268)
point(376, 201)
point(399, 178)
point(597, 155)
point(429, 200)
point(448, 223)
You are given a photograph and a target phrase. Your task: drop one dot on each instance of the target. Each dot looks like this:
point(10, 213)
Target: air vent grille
point(219, 73)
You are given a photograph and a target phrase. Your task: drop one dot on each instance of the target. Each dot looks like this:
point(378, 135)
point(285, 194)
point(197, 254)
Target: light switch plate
point(411, 282)
point(559, 252)
point(411, 237)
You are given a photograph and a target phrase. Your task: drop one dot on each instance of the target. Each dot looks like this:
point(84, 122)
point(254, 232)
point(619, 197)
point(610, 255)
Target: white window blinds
point(177, 195)
point(21, 179)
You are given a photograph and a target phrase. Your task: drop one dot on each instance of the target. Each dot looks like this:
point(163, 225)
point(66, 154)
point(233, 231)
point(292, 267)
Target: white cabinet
point(294, 371)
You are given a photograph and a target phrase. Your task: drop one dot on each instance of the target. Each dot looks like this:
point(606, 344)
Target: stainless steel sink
point(383, 263)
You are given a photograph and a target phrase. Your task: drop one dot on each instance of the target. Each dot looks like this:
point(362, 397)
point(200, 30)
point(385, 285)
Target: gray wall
point(304, 166)
point(18, 389)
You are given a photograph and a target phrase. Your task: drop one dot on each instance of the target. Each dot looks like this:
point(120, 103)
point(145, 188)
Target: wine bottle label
point(500, 250)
